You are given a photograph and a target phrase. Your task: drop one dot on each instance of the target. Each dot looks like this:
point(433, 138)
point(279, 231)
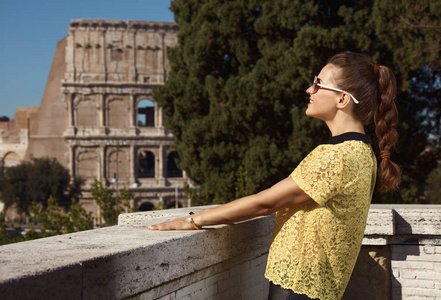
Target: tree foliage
point(9, 234)
point(434, 186)
point(412, 30)
point(52, 221)
point(36, 181)
point(235, 96)
point(110, 204)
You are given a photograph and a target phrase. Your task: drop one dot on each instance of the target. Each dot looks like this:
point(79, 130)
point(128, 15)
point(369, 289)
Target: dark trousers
point(276, 292)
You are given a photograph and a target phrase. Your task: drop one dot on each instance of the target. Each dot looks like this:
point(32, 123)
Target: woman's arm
point(283, 194)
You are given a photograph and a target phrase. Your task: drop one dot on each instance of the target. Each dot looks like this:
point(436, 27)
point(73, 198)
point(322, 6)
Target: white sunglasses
point(316, 85)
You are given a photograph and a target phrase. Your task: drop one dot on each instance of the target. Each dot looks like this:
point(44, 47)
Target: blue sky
point(30, 30)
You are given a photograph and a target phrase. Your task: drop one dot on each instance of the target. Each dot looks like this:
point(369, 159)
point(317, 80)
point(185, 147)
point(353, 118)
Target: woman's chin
point(311, 114)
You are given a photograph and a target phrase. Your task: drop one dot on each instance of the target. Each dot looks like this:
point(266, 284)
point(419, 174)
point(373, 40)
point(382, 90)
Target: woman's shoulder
point(347, 146)
point(326, 150)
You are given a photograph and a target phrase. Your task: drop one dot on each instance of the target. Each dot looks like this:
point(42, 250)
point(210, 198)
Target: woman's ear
point(344, 100)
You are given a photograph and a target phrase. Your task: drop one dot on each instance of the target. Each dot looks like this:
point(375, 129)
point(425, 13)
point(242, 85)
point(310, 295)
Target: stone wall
point(400, 259)
point(14, 136)
point(98, 116)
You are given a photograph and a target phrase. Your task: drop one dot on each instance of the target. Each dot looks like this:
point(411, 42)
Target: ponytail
point(386, 118)
point(375, 88)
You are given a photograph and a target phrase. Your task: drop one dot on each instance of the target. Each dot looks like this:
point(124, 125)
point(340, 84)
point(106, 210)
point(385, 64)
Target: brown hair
point(375, 87)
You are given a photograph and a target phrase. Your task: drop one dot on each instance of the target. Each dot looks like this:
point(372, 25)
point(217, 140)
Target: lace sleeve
point(320, 174)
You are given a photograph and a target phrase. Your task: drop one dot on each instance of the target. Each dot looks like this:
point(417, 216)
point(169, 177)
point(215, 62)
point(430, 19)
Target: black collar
point(350, 136)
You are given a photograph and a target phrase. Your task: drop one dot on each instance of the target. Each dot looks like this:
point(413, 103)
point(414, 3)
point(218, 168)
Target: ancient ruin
point(98, 116)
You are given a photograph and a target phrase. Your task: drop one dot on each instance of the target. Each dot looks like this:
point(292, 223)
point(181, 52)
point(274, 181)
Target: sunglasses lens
point(315, 87)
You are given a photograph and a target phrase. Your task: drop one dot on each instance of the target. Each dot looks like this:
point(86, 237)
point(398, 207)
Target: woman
point(323, 205)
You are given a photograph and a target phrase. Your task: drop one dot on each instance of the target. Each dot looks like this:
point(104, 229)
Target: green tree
point(411, 32)
point(53, 220)
point(235, 96)
point(9, 234)
point(111, 205)
point(411, 29)
point(434, 186)
point(35, 181)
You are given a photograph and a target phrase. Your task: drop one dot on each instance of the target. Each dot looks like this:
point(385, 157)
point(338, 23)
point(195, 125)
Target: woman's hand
point(176, 224)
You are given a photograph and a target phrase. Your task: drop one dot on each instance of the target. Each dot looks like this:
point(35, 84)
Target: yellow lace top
point(315, 246)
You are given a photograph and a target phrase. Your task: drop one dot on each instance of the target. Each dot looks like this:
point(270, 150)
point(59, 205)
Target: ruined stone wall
point(115, 130)
point(119, 51)
point(98, 116)
point(46, 136)
point(14, 136)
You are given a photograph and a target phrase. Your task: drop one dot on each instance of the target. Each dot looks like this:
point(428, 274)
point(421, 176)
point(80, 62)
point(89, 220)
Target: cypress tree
point(235, 96)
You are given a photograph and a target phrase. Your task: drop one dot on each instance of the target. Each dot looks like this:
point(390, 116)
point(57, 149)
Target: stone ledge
point(413, 219)
point(380, 221)
point(156, 216)
point(383, 220)
point(121, 261)
point(128, 260)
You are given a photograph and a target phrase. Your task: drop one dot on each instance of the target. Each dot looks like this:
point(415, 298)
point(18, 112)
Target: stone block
point(171, 296)
point(418, 219)
point(418, 275)
point(409, 293)
point(201, 294)
point(373, 240)
point(193, 289)
point(259, 261)
point(429, 249)
point(240, 269)
point(232, 282)
point(413, 265)
point(423, 284)
point(380, 221)
point(217, 277)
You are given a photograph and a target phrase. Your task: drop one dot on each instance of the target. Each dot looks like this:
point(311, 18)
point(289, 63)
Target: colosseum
point(98, 116)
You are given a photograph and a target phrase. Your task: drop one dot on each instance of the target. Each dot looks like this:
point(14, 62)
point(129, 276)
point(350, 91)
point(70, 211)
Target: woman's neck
point(345, 124)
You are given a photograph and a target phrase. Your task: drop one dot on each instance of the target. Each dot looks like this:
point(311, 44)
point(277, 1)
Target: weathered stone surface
point(14, 139)
point(143, 218)
point(120, 261)
point(406, 219)
point(380, 221)
point(418, 219)
point(129, 261)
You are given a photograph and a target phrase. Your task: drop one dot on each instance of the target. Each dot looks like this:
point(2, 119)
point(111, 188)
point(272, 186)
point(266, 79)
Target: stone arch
point(117, 168)
point(146, 164)
point(146, 206)
point(11, 159)
point(117, 112)
point(86, 112)
point(172, 168)
point(145, 113)
point(171, 203)
point(88, 163)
